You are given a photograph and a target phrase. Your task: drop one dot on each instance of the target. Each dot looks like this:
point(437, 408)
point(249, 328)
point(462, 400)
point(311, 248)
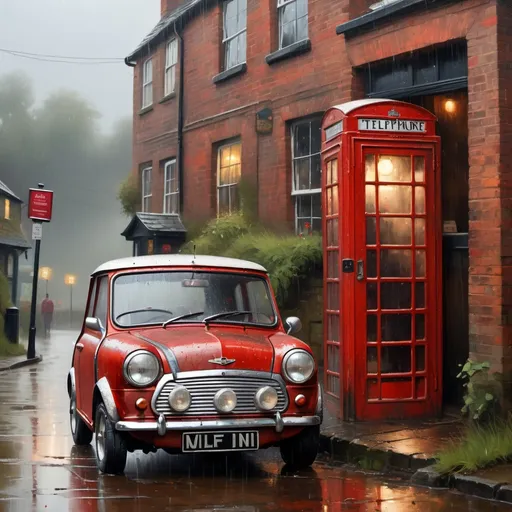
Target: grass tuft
point(479, 447)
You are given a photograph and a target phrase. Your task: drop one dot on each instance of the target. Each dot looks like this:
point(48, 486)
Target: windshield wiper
point(181, 317)
point(224, 315)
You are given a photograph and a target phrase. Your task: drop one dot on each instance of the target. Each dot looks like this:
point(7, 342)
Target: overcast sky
point(77, 28)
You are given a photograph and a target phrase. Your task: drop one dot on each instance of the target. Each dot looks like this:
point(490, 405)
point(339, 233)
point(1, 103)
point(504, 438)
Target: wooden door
point(397, 336)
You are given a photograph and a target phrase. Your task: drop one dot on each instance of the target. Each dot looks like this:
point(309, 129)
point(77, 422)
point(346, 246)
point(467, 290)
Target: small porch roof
point(145, 224)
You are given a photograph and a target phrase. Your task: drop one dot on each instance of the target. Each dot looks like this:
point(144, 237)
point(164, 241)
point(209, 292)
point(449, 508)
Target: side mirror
point(94, 324)
point(293, 325)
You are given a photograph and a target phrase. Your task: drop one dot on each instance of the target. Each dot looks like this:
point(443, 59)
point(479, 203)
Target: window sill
point(145, 110)
point(289, 52)
point(230, 73)
point(372, 19)
point(167, 98)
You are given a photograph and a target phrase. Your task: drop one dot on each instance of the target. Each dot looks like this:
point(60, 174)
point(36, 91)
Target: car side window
point(100, 311)
point(258, 299)
point(92, 300)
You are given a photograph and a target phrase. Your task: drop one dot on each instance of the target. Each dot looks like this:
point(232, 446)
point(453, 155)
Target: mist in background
point(66, 121)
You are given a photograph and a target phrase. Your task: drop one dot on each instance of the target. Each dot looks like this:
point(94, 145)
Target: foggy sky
point(82, 28)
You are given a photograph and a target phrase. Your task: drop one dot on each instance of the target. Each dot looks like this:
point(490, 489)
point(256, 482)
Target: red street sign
point(40, 204)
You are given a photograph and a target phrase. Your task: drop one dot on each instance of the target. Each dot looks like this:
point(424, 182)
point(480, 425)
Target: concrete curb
point(466, 484)
point(21, 364)
point(353, 451)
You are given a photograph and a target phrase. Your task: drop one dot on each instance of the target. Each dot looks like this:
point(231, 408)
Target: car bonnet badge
point(224, 361)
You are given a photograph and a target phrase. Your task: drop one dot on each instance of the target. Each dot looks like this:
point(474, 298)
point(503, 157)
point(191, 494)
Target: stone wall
point(307, 303)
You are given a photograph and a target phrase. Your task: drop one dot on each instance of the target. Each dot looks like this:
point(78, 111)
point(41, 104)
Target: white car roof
point(177, 260)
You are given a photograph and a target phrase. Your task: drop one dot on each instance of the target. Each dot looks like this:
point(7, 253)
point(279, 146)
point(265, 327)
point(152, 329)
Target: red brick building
point(234, 90)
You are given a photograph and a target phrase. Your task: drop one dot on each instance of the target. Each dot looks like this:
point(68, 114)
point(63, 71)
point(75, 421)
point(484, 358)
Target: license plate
point(248, 440)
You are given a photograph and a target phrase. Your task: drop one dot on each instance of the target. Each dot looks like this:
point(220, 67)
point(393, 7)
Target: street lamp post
point(70, 280)
point(46, 274)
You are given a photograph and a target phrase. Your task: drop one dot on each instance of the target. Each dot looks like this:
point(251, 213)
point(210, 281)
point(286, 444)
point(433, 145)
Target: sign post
point(39, 210)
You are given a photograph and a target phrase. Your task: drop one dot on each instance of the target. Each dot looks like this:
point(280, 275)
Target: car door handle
point(80, 346)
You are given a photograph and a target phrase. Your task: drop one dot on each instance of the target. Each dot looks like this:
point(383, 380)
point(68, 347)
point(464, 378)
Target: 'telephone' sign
point(40, 204)
point(391, 125)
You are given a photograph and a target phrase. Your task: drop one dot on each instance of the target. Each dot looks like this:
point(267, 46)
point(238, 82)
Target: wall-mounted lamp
point(450, 106)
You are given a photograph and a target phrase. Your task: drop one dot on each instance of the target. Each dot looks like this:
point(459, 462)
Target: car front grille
point(203, 389)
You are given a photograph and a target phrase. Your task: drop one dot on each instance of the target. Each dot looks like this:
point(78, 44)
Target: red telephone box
point(382, 261)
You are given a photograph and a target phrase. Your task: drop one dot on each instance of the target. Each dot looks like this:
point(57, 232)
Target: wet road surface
point(41, 470)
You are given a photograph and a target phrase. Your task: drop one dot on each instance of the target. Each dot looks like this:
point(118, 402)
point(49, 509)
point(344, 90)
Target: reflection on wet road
point(41, 470)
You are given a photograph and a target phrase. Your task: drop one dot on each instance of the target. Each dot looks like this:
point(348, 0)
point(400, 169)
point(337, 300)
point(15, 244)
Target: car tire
point(82, 434)
point(300, 452)
point(111, 450)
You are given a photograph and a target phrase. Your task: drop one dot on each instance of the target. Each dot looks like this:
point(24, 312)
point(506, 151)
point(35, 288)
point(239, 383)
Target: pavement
point(41, 470)
point(402, 445)
point(411, 448)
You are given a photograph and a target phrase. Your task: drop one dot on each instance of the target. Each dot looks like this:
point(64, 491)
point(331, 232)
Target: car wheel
point(82, 435)
point(111, 451)
point(300, 451)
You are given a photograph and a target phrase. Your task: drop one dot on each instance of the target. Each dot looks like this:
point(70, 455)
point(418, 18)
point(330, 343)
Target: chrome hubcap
point(73, 415)
point(100, 437)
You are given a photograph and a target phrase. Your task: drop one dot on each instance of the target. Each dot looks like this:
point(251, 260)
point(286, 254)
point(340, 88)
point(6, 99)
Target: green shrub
point(479, 447)
point(287, 258)
point(129, 195)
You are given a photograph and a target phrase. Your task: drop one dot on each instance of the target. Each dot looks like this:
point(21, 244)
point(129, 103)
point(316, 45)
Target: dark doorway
point(452, 114)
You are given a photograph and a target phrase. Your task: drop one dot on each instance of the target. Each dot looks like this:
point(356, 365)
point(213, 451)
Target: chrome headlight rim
point(257, 398)
point(173, 392)
point(129, 358)
point(286, 359)
point(217, 397)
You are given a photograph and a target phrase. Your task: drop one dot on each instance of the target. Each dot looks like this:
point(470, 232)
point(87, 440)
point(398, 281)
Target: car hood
point(194, 348)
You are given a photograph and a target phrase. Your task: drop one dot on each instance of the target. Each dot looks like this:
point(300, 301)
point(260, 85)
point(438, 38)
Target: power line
point(63, 59)
point(59, 56)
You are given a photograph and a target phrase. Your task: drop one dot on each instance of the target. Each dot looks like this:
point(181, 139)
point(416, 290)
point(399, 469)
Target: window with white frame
point(293, 21)
point(147, 83)
point(229, 171)
point(171, 60)
point(235, 32)
point(306, 174)
point(171, 188)
point(146, 189)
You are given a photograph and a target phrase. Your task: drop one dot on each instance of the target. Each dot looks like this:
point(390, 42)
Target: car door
point(90, 341)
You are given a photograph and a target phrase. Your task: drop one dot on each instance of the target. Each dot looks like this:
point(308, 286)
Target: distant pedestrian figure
point(47, 312)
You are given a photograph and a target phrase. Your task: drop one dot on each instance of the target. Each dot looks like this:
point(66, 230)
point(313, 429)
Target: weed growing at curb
point(479, 447)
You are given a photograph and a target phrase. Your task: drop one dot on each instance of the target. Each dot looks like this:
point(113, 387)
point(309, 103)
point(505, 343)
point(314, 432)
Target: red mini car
point(189, 354)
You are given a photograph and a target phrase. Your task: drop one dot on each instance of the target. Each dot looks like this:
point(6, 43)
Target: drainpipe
point(179, 156)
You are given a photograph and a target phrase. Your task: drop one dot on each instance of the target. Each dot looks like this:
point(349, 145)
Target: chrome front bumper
point(162, 427)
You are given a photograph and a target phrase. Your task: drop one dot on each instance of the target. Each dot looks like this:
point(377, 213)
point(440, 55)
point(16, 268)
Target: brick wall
point(293, 88)
point(487, 27)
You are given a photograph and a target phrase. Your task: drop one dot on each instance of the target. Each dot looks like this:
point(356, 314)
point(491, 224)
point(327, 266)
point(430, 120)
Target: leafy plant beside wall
point(286, 257)
point(129, 195)
point(481, 398)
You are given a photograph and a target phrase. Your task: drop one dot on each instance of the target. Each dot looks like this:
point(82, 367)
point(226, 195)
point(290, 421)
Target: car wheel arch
point(102, 394)
point(71, 384)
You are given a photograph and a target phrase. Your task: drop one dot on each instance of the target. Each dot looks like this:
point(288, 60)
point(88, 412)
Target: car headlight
point(298, 366)
point(180, 399)
point(141, 368)
point(225, 400)
point(266, 398)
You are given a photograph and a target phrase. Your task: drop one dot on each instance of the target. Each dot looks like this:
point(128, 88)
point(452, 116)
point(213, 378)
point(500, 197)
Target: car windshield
point(157, 297)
